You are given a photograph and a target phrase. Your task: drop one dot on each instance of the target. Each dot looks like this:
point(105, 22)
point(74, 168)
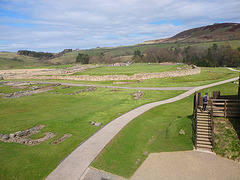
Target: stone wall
point(139, 76)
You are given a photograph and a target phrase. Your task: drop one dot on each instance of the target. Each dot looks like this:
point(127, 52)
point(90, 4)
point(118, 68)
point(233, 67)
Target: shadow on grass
point(236, 125)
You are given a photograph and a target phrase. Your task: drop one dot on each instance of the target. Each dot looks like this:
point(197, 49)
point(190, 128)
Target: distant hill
point(215, 32)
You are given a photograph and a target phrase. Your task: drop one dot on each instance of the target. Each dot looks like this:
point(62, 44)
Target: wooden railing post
point(196, 131)
point(212, 123)
point(225, 108)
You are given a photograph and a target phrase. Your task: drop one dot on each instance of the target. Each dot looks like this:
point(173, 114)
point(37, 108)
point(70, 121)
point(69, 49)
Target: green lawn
point(128, 70)
point(208, 75)
point(60, 113)
point(157, 130)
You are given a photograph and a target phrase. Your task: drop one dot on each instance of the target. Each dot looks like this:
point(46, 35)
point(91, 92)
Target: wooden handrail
point(238, 100)
point(212, 124)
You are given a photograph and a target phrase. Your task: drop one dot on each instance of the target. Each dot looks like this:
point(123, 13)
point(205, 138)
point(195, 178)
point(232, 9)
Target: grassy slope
point(6, 58)
point(129, 50)
point(61, 113)
point(155, 131)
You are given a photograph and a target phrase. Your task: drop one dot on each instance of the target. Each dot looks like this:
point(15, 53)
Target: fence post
point(225, 108)
point(212, 122)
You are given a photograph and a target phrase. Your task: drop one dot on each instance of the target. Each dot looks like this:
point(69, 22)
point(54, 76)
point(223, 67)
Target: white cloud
point(52, 25)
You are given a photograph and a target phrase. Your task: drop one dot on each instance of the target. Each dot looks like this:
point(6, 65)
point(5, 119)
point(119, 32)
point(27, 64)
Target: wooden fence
point(225, 107)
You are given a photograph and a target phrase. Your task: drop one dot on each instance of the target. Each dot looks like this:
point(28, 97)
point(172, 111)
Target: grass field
point(154, 131)
point(60, 113)
point(128, 70)
point(207, 76)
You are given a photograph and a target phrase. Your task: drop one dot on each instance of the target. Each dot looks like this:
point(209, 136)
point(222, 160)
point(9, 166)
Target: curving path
point(74, 166)
point(119, 87)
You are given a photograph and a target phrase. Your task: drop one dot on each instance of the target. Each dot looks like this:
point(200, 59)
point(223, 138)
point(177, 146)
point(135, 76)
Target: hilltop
point(209, 33)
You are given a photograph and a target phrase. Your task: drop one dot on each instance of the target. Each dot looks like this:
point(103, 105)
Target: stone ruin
point(85, 90)
point(23, 137)
point(23, 85)
point(61, 139)
point(137, 95)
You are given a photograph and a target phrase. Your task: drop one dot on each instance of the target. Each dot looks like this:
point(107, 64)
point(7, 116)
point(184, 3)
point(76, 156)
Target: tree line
point(201, 56)
point(36, 54)
point(216, 55)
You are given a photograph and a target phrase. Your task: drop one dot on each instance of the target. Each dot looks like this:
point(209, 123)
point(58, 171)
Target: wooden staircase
point(204, 139)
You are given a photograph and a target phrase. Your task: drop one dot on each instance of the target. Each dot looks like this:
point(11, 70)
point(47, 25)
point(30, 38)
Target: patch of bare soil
point(227, 143)
point(61, 139)
point(22, 137)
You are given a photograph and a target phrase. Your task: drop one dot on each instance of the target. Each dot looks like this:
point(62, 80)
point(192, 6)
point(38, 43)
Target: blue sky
point(54, 25)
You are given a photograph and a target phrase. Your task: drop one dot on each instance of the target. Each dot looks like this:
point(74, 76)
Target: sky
point(55, 25)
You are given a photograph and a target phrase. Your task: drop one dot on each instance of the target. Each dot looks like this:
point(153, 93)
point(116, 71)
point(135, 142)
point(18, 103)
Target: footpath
point(74, 166)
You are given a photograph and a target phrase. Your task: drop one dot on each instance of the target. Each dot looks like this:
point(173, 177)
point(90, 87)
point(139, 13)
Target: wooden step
point(206, 123)
point(204, 146)
point(204, 118)
point(203, 114)
point(204, 133)
point(199, 126)
point(208, 136)
point(204, 139)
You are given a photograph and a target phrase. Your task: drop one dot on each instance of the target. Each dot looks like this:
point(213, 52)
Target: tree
point(137, 56)
point(82, 58)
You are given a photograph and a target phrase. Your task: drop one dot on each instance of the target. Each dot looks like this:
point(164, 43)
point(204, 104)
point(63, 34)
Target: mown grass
point(61, 113)
point(128, 70)
point(208, 75)
point(157, 130)
point(8, 89)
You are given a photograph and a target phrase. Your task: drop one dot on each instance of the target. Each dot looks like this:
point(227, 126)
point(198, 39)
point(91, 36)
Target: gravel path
point(74, 166)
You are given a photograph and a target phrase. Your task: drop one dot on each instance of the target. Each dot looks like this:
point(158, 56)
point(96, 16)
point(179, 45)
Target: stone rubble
point(22, 137)
point(33, 90)
point(61, 139)
point(85, 90)
point(137, 95)
point(93, 123)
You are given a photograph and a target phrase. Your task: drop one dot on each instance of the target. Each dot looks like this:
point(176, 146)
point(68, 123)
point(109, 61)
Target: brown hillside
point(215, 32)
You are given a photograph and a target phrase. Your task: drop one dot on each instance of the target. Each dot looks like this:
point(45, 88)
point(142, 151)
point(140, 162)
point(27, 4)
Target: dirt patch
point(22, 137)
point(61, 139)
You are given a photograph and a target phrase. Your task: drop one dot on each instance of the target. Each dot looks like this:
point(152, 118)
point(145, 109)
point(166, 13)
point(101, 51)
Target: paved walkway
point(187, 166)
point(119, 87)
point(78, 161)
point(231, 69)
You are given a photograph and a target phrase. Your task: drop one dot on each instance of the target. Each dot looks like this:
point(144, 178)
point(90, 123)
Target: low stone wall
point(140, 76)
